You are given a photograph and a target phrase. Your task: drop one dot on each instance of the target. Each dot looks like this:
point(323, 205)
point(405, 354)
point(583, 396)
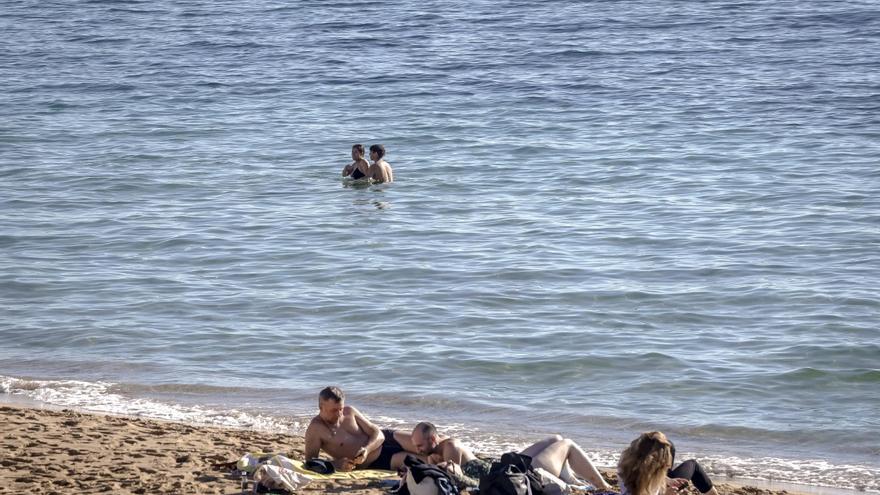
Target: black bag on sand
point(422, 478)
point(512, 475)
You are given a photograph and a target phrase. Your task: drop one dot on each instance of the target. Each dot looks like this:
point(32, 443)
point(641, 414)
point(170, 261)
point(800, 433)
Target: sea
point(608, 217)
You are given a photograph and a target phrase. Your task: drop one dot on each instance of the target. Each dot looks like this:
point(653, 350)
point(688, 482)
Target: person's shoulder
point(350, 413)
point(316, 424)
point(452, 443)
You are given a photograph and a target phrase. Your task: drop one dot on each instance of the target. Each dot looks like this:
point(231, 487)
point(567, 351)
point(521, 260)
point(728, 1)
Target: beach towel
point(357, 474)
point(250, 461)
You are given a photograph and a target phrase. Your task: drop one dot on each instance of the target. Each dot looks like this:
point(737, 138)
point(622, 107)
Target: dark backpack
point(512, 475)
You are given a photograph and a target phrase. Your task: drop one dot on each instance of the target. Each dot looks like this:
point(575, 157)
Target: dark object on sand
point(320, 466)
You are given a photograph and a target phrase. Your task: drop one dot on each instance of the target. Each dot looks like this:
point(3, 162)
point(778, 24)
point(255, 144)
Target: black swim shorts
point(389, 447)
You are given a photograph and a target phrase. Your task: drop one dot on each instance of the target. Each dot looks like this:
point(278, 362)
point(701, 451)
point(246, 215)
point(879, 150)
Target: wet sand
point(45, 451)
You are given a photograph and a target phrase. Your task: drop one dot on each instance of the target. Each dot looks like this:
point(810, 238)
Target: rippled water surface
point(607, 217)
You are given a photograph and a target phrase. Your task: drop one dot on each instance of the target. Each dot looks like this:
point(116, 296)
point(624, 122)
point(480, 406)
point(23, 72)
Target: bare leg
point(567, 475)
point(539, 446)
point(536, 448)
point(396, 461)
point(553, 457)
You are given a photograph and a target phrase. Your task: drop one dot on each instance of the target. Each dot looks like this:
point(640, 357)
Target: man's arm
point(372, 431)
point(455, 451)
point(405, 441)
point(313, 441)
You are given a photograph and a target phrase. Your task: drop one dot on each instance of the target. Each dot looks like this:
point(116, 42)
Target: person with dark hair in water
point(359, 167)
point(380, 170)
point(347, 436)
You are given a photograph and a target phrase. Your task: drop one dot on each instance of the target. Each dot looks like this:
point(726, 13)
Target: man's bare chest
point(345, 435)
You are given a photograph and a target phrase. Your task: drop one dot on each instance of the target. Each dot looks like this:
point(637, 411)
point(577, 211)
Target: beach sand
point(65, 452)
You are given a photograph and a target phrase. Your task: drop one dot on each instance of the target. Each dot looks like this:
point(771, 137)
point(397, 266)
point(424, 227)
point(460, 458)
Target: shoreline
point(50, 449)
point(731, 457)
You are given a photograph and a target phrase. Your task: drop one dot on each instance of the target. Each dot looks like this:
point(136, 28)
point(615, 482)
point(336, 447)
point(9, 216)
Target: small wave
point(235, 45)
point(102, 41)
point(8, 240)
point(847, 19)
point(136, 11)
point(101, 397)
point(816, 472)
point(574, 53)
point(814, 375)
point(79, 86)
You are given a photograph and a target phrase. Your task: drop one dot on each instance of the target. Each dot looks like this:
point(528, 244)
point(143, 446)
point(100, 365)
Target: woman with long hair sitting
point(645, 468)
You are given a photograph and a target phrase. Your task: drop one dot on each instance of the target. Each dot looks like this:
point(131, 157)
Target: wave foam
point(100, 397)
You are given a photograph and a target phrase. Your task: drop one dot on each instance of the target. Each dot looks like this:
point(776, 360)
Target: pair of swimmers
point(359, 168)
point(356, 443)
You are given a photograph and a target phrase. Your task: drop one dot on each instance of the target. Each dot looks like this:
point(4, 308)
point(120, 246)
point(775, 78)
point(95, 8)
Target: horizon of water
point(608, 217)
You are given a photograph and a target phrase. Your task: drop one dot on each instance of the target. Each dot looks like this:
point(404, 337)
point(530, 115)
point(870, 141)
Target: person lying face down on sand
point(645, 468)
point(380, 170)
point(359, 168)
point(558, 456)
point(347, 436)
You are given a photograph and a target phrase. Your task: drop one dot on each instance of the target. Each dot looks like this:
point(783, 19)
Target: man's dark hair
point(426, 429)
point(332, 393)
point(359, 148)
point(377, 149)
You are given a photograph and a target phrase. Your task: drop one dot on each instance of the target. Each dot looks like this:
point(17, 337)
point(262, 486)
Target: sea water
point(608, 217)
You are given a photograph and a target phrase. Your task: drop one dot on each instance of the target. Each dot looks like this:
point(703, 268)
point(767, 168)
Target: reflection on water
point(356, 183)
point(379, 205)
point(364, 184)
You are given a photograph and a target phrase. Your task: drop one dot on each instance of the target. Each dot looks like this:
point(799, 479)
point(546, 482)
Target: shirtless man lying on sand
point(347, 436)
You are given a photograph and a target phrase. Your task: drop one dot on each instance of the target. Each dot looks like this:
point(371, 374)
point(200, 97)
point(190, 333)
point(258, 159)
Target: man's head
point(331, 401)
point(425, 438)
point(377, 151)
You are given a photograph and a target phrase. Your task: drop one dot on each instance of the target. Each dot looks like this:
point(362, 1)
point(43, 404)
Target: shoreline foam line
point(100, 397)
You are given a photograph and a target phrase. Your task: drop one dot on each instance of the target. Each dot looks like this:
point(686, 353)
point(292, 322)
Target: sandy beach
point(64, 451)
